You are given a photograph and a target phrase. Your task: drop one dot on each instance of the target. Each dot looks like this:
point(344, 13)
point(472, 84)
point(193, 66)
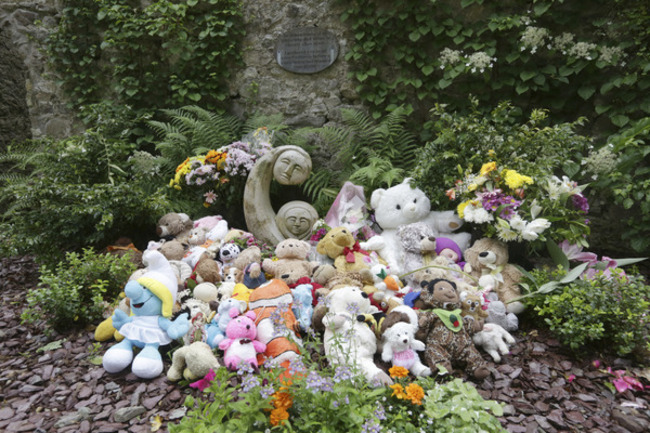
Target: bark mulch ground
point(544, 387)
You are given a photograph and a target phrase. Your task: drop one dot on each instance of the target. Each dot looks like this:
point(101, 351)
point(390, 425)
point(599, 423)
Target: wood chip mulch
point(543, 386)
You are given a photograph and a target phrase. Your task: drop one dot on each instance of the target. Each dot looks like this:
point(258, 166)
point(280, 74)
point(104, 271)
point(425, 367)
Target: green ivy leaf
point(414, 36)
point(586, 92)
point(620, 120)
point(427, 70)
point(541, 8)
point(527, 75)
point(443, 83)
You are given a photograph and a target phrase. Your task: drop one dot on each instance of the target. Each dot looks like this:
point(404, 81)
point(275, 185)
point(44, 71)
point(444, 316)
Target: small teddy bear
point(291, 262)
point(417, 245)
point(174, 225)
point(249, 262)
point(240, 345)
point(340, 245)
point(488, 259)
point(447, 335)
point(471, 304)
point(494, 340)
point(399, 348)
point(192, 362)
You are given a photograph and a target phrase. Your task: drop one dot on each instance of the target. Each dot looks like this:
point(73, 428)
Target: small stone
point(177, 413)
point(128, 413)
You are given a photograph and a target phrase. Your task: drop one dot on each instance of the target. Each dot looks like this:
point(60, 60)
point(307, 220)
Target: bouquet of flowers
point(515, 207)
point(221, 173)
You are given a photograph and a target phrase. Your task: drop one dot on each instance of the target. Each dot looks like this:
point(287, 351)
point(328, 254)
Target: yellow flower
point(415, 393)
point(398, 371)
point(488, 167)
point(515, 180)
point(491, 153)
point(472, 187)
point(460, 210)
point(398, 391)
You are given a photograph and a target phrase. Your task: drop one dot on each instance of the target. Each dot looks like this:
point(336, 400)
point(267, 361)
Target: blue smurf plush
point(152, 298)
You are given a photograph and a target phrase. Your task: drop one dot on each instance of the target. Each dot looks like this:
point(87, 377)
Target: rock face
point(14, 116)
point(260, 86)
point(24, 25)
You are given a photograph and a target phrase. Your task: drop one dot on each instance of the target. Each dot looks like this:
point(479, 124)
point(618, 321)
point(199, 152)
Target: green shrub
point(85, 190)
point(610, 310)
point(466, 142)
point(74, 294)
point(334, 399)
point(620, 176)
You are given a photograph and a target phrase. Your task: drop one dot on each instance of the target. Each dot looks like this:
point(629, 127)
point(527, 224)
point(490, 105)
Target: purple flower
point(342, 373)
point(249, 382)
point(204, 383)
point(316, 382)
point(580, 202)
point(371, 426)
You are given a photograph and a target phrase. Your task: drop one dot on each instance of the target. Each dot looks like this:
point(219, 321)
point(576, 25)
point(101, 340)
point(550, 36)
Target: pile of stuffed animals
point(415, 294)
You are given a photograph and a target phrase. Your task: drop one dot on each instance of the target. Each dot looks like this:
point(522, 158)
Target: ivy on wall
point(147, 53)
point(576, 58)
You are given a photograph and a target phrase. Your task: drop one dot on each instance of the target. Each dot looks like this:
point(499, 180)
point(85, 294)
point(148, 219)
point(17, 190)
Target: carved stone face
point(291, 168)
point(295, 219)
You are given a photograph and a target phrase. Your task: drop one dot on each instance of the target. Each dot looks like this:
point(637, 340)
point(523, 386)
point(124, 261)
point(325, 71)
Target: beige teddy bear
point(175, 226)
point(488, 259)
point(192, 362)
point(291, 263)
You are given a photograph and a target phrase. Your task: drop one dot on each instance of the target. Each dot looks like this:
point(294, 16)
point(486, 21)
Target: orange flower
point(215, 157)
point(398, 372)
point(415, 393)
point(182, 164)
point(278, 416)
point(282, 400)
point(398, 391)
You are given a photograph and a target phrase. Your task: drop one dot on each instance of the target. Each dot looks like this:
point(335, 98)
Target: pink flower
point(574, 252)
point(596, 363)
point(571, 378)
point(204, 383)
point(210, 197)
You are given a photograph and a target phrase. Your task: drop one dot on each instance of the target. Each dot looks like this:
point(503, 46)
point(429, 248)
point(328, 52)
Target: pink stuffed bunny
point(240, 344)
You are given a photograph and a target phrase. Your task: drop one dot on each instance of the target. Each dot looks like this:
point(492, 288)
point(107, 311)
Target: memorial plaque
point(306, 50)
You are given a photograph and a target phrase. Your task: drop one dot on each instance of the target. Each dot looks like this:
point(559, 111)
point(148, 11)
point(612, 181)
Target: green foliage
point(465, 142)
point(73, 294)
point(620, 172)
point(457, 406)
point(80, 191)
point(609, 310)
point(373, 154)
point(144, 54)
point(578, 58)
point(334, 399)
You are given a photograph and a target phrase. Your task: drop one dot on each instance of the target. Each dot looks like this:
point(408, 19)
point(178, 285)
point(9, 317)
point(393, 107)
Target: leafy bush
point(579, 58)
point(146, 54)
point(80, 191)
point(620, 175)
point(74, 294)
point(334, 400)
point(610, 309)
point(465, 142)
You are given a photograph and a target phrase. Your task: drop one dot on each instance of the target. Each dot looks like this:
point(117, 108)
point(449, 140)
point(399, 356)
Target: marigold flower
point(282, 400)
point(398, 371)
point(398, 391)
point(488, 167)
point(182, 165)
point(278, 416)
point(415, 393)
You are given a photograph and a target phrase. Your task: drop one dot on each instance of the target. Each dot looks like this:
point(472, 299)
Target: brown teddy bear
point(488, 259)
point(447, 335)
point(175, 226)
point(249, 262)
point(291, 263)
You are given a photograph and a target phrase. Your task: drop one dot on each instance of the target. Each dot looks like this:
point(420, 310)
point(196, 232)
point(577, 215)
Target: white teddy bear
point(400, 348)
point(348, 341)
point(494, 340)
point(401, 205)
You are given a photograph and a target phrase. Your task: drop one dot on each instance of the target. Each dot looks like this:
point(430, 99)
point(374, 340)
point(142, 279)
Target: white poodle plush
point(400, 348)
point(494, 340)
point(348, 341)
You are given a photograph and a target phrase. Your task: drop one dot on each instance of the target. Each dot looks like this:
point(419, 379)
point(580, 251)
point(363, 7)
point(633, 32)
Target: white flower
point(517, 223)
point(533, 37)
point(534, 228)
point(506, 234)
point(477, 215)
point(582, 50)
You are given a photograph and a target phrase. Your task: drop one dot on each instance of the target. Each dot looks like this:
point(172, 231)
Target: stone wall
point(24, 24)
point(14, 116)
point(261, 86)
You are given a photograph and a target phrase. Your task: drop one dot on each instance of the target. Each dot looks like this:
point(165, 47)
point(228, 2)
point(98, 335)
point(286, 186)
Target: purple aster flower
point(342, 373)
point(371, 426)
point(249, 382)
point(580, 202)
